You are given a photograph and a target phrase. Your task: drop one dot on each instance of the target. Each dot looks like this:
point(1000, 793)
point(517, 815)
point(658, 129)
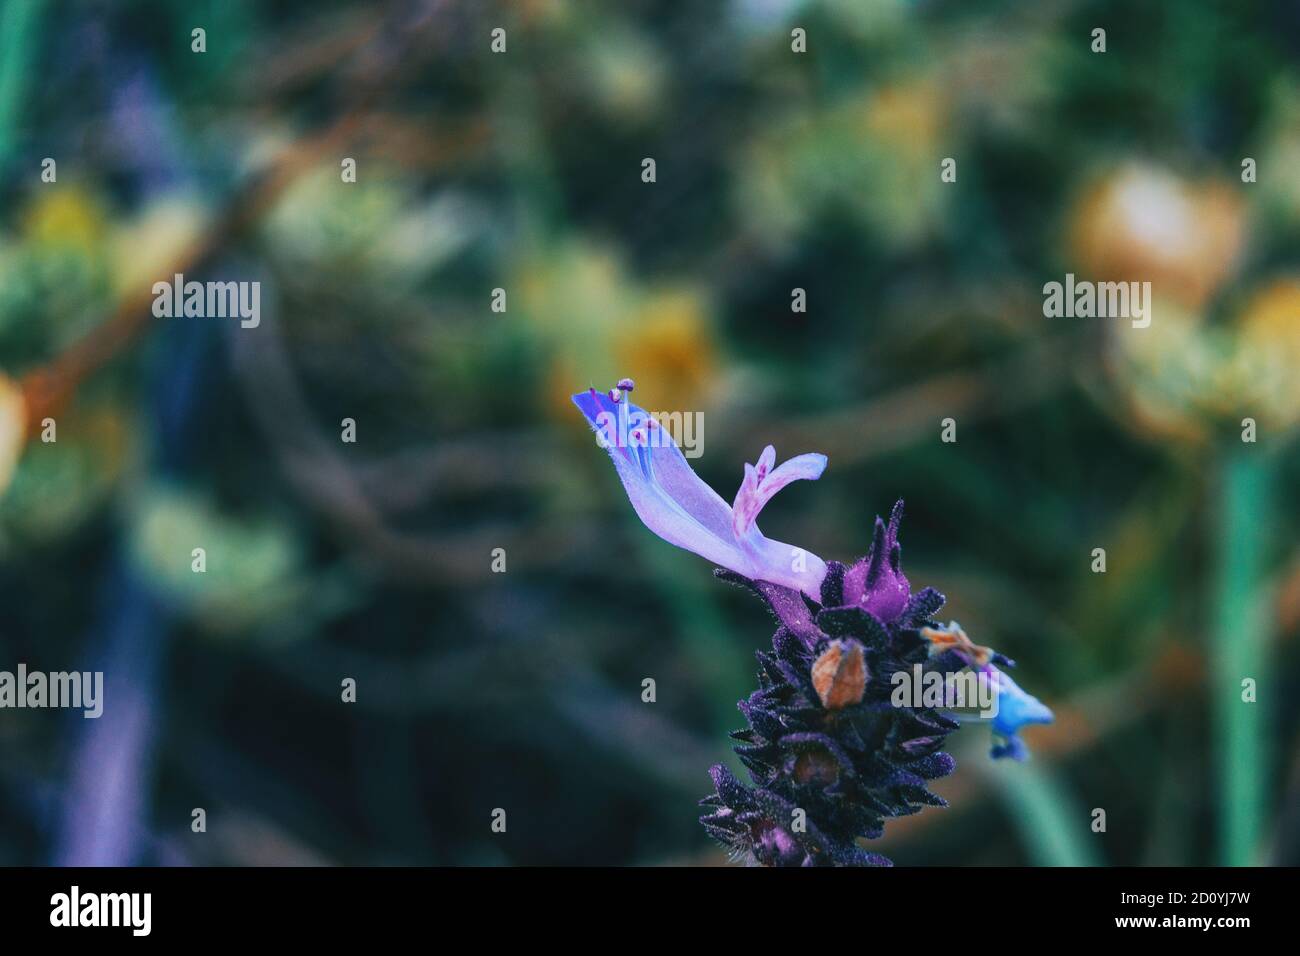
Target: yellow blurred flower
point(1163, 372)
point(1268, 353)
point(1143, 223)
point(1182, 378)
point(665, 342)
point(908, 116)
point(146, 249)
point(65, 216)
point(818, 161)
point(571, 287)
point(53, 274)
point(1272, 318)
point(600, 325)
point(13, 428)
point(671, 348)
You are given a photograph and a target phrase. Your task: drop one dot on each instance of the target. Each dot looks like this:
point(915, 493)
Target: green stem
point(1055, 829)
point(1239, 643)
point(18, 37)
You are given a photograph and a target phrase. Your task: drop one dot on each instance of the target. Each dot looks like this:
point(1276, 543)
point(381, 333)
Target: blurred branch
point(311, 52)
point(858, 433)
point(315, 465)
point(48, 388)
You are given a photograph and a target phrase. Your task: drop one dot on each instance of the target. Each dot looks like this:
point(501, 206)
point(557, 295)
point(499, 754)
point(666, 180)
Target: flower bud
point(840, 675)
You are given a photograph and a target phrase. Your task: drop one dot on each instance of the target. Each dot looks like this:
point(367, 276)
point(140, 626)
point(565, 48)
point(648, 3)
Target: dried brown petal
point(840, 675)
point(954, 638)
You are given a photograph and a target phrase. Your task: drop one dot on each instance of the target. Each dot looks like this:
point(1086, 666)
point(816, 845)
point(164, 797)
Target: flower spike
point(830, 753)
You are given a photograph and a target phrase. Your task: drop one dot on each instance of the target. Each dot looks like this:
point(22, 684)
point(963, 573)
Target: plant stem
point(1054, 827)
point(1239, 641)
point(18, 45)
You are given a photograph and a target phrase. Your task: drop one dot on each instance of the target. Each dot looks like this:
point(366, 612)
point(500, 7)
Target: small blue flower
point(1015, 710)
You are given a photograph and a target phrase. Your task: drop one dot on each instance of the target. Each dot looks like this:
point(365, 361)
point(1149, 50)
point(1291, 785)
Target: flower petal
point(675, 504)
point(761, 483)
point(666, 494)
point(784, 564)
point(1015, 710)
point(669, 466)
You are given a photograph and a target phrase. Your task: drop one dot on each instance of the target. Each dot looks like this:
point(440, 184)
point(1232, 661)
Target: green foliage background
point(521, 171)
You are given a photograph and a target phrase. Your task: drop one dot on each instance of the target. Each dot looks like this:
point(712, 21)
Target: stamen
point(625, 384)
point(642, 451)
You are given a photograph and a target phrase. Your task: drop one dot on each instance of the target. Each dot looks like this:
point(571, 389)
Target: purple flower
point(826, 746)
point(675, 504)
point(876, 583)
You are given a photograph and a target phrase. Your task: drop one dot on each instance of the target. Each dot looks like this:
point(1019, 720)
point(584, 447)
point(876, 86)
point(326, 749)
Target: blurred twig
point(315, 465)
point(857, 433)
point(405, 25)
